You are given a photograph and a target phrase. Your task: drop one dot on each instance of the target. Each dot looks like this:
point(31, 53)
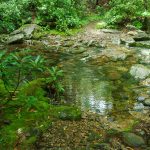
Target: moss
point(31, 113)
point(3, 92)
point(66, 112)
point(38, 35)
point(32, 87)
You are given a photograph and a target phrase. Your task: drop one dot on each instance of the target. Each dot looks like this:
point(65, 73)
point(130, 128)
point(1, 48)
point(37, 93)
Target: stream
point(99, 80)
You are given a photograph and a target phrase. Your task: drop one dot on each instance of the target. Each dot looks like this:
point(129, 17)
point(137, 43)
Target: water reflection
point(94, 89)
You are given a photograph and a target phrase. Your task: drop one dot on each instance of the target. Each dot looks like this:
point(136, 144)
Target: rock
point(127, 40)
point(112, 31)
point(7, 122)
point(78, 51)
point(101, 25)
point(143, 44)
point(27, 30)
point(133, 33)
point(139, 71)
point(114, 75)
point(146, 82)
point(133, 140)
point(116, 40)
point(18, 38)
point(3, 38)
point(102, 146)
point(115, 54)
point(131, 27)
point(99, 60)
point(70, 114)
point(144, 56)
point(147, 102)
point(1, 47)
point(138, 107)
point(141, 98)
point(141, 36)
point(94, 43)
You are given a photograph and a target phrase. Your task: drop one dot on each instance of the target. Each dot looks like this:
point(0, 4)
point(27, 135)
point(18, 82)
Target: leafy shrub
point(13, 13)
point(63, 14)
point(15, 68)
point(124, 11)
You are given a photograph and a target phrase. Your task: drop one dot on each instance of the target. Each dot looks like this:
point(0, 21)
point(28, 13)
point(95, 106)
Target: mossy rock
point(66, 112)
point(39, 34)
point(133, 140)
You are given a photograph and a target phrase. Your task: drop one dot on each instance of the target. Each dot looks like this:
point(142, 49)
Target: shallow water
point(104, 89)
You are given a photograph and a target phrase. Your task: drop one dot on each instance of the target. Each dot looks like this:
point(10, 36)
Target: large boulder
point(139, 35)
point(23, 33)
point(18, 38)
point(133, 140)
point(27, 30)
point(139, 71)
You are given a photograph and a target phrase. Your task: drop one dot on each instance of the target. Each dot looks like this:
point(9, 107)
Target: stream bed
point(102, 82)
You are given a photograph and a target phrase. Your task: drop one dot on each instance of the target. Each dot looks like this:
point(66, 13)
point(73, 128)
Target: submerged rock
point(133, 140)
point(115, 54)
point(139, 71)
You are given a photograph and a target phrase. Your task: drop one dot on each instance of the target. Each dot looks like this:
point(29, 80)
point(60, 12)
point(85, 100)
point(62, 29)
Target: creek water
point(106, 88)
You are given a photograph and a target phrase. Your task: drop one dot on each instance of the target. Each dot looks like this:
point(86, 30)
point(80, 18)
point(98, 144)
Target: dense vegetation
point(64, 14)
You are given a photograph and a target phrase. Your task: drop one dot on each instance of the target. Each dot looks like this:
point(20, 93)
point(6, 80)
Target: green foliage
point(13, 13)
point(15, 68)
point(63, 14)
point(3, 92)
point(124, 11)
point(137, 24)
point(53, 84)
